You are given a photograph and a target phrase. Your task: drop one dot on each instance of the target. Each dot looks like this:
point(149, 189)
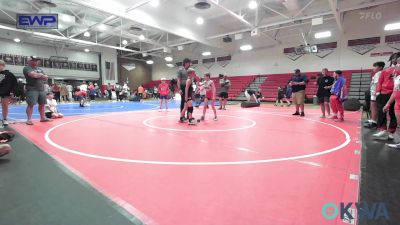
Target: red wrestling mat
point(254, 166)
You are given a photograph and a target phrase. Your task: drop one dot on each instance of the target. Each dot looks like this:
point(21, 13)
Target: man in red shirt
point(163, 89)
point(384, 90)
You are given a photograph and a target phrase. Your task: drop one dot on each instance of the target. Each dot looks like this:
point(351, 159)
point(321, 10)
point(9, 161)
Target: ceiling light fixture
point(17, 40)
point(323, 34)
point(150, 62)
point(246, 47)
point(154, 3)
point(87, 50)
point(86, 34)
point(142, 37)
point(253, 5)
point(168, 59)
point(124, 42)
point(102, 27)
point(392, 26)
point(206, 53)
point(199, 20)
point(170, 65)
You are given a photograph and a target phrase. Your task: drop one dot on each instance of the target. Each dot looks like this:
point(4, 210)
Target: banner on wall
point(362, 46)
point(224, 60)
point(110, 73)
point(55, 62)
point(393, 41)
point(292, 54)
point(208, 63)
point(325, 49)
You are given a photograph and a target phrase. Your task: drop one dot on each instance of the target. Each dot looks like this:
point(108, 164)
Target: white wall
point(26, 49)
point(269, 61)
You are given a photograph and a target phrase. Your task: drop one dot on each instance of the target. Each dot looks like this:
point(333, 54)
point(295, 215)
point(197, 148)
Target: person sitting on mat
point(4, 149)
point(81, 96)
point(188, 98)
point(163, 89)
point(250, 95)
point(50, 109)
point(210, 89)
point(259, 95)
point(5, 136)
point(281, 95)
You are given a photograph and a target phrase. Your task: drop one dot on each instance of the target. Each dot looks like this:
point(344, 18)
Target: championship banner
point(224, 60)
point(362, 46)
point(292, 54)
point(208, 63)
point(325, 49)
point(393, 41)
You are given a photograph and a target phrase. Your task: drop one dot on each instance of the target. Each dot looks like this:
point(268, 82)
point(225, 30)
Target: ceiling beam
point(336, 13)
point(304, 8)
point(237, 16)
point(271, 24)
point(273, 10)
point(108, 19)
point(137, 5)
point(366, 5)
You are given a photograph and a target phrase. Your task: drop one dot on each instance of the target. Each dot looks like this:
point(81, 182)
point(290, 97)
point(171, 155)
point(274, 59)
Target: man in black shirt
point(324, 83)
point(298, 83)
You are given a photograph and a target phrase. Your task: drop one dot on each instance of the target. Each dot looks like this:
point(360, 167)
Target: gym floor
point(127, 163)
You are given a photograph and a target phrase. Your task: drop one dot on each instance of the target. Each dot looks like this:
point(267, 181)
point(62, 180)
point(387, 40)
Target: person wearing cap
point(298, 83)
point(8, 87)
point(383, 91)
point(163, 88)
point(35, 94)
point(182, 76)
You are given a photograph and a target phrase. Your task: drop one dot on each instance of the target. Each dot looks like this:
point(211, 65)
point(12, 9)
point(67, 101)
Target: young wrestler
point(337, 96)
point(250, 95)
point(209, 86)
point(281, 95)
point(163, 88)
point(395, 98)
point(188, 98)
point(378, 67)
point(81, 96)
point(383, 92)
point(50, 109)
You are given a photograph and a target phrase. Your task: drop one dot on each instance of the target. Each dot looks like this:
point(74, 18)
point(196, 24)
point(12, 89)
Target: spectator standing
point(64, 92)
point(225, 85)
point(298, 83)
point(324, 83)
point(336, 98)
point(35, 94)
point(56, 89)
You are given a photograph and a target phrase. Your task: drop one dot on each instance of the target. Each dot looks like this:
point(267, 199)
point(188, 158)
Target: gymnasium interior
point(118, 157)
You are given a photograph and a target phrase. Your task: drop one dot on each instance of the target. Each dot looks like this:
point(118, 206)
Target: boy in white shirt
point(50, 108)
point(378, 67)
